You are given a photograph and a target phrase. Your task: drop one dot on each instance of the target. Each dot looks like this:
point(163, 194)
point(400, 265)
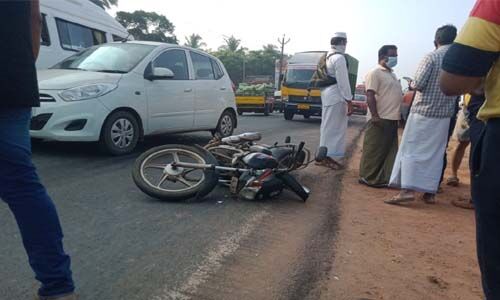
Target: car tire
point(306, 116)
point(226, 124)
point(288, 115)
point(120, 133)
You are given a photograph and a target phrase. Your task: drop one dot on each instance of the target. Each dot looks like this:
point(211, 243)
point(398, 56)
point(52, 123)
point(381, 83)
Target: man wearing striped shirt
point(419, 161)
point(473, 63)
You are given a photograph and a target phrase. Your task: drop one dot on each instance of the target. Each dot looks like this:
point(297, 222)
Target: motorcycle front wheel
point(154, 175)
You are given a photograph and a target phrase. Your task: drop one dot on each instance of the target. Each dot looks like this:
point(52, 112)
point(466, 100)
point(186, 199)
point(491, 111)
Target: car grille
point(304, 99)
point(47, 98)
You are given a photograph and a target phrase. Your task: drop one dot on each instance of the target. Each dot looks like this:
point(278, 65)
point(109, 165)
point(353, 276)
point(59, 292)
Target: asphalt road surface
point(126, 245)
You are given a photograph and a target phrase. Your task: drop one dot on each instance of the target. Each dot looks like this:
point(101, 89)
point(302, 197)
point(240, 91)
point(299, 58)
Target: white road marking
point(226, 246)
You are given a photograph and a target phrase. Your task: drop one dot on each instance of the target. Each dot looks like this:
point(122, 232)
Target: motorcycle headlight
point(87, 92)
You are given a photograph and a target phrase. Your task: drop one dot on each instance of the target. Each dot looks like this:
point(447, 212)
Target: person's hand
point(375, 120)
point(349, 108)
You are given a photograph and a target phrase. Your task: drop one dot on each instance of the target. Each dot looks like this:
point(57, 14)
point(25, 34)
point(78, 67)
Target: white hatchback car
point(118, 93)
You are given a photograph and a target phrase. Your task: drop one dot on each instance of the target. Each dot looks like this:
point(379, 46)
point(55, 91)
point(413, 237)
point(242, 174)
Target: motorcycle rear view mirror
point(321, 154)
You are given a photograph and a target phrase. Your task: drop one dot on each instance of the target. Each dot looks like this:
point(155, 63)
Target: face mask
point(392, 61)
point(340, 48)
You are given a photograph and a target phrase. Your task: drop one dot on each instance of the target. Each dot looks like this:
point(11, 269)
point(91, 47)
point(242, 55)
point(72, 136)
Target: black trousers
point(486, 195)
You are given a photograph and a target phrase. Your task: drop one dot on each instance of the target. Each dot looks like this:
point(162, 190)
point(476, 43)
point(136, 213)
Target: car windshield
point(109, 58)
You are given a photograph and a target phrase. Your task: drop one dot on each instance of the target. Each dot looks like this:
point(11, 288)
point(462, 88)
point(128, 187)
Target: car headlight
point(87, 92)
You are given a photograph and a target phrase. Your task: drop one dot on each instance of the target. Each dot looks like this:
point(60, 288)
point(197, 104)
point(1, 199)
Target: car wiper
point(110, 71)
point(68, 68)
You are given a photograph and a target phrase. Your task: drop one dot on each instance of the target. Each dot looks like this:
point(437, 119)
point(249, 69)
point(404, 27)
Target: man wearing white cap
point(336, 103)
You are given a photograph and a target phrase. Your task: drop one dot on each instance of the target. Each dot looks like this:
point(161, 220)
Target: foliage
point(148, 26)
point(105, 3)
point(194, 41)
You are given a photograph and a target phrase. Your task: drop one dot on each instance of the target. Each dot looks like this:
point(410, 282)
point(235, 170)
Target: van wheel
point(288, 115)
point(225, 127)
point(120, 133)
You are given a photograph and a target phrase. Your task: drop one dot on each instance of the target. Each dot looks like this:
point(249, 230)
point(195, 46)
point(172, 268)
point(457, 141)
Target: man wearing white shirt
point(336, 103)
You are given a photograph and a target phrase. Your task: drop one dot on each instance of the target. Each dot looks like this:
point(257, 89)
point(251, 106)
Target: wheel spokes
point(184, 181)
point(162, 180)
point(155, 166)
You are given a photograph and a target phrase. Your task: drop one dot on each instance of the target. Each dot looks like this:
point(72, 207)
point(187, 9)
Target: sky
point(409, 24)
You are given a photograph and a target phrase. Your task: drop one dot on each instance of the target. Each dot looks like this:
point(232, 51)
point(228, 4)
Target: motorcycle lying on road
point(252, 171)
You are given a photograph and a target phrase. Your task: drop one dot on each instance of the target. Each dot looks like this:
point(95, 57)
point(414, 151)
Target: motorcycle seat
point(244, 137)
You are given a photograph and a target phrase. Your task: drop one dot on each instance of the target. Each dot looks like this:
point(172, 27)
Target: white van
point(72, 25)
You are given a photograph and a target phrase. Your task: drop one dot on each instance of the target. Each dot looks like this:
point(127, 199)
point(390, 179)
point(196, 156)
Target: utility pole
point(282, 42)
point(244, 71)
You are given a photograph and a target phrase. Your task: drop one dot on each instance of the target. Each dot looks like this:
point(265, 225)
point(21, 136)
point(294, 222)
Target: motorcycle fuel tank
point(260, 161)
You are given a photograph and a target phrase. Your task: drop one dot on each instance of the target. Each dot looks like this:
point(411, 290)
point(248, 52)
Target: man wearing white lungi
point(336, 103)
point(419, 161)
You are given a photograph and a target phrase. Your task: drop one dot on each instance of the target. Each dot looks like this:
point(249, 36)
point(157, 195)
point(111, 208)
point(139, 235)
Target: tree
point(148, 26)
point(262, 62)
point(194, 41)
point(232, 44)
point(105, 3)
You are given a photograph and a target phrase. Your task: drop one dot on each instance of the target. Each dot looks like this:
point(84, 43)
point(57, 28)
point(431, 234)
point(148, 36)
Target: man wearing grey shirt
point(419, 160)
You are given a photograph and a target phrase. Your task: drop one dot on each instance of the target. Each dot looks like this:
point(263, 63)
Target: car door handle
point(222, 88)
point(188, 90)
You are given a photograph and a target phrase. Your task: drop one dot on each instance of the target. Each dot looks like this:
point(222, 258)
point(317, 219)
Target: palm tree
point(105, 3)
point(232, 44)
point(194, 41)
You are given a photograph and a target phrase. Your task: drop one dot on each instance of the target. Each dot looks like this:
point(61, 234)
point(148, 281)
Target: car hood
point(56, 79)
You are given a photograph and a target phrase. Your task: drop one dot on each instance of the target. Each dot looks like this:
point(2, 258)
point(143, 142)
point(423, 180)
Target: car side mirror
point(162, 73)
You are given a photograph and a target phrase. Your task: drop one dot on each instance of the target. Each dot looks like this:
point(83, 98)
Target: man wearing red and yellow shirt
point(472, 63)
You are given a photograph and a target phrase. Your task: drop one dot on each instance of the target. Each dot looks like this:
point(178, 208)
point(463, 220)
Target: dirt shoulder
point(417, 251)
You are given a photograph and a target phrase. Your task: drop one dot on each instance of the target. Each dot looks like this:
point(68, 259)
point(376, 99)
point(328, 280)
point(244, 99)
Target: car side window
point(176, 61)
point(202, 67)
point(217, 69)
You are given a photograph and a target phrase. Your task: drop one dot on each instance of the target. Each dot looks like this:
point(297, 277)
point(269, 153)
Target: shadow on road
point(92, 150)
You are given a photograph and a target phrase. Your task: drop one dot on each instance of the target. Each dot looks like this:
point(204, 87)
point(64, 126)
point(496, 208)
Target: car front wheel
point(120, 133)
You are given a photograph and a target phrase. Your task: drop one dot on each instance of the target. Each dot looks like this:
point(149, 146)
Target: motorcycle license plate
point(303, 106)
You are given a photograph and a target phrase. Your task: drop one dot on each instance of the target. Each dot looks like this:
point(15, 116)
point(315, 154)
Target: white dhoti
point(420, 157)
point(333, 129)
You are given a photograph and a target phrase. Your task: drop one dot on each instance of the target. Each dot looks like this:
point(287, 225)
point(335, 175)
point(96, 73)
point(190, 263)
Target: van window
point(176, 61)
point(76, 37)
point(202, 67)
point(217, 70)
point(45, 37)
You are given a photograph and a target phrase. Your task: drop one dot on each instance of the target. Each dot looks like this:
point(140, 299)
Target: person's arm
point(342, 76)
point(477, 47)
point(372, 105)
point(423, 74)
point(36, 26)
point(372, 86)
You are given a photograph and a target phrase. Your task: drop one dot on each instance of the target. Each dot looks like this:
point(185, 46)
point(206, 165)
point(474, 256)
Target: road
point(125, 245)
